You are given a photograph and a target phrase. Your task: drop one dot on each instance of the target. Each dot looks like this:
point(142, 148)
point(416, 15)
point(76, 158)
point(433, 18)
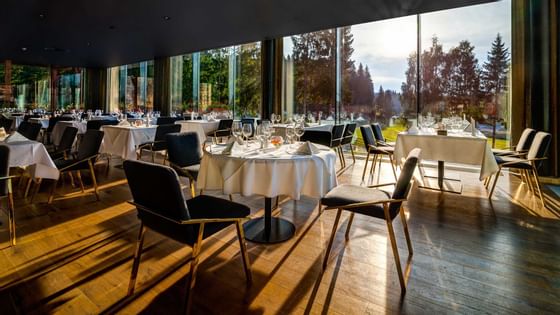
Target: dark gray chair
point(224, 130)
point(167, 120)
point(84, 160)
point(98, 123)
point(64, 148)
point(527, 166)
point(371, 147)
point(29, 130)
point(522, 145)
point(347, 137)
point(162, 208)
point(159, 143)
point(374, 203)
point(331, 139)
point(378, 133)
point(6, 190)
point(184, 156)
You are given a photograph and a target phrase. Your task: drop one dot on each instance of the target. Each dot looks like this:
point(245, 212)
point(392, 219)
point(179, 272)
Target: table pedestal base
point(440, 182)
point(268, 229)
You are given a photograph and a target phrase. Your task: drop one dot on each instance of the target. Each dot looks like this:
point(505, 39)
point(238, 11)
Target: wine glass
point(290, 132)
point(247, 131)
point(273, 117)
point(299, 130)
point(237, 129)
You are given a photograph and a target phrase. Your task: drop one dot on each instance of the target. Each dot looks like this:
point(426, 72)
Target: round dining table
point(269, 172)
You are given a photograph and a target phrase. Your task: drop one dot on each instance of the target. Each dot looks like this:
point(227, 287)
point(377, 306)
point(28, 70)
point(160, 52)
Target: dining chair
point(224, 130)
point(159, 143)
point(184, 156)
point(522, 145)
point(373, 202)
point(29, 130)
point(378, 133)
point(98, 123)
point(52, 122)
point(372, 148)
point(6, 123)
point(167, 120)
point(164, 210)
point(88, 152)
point(331, 139)
point(6, 190)
point(67, 140)
point(347, 137)
point(528, 166)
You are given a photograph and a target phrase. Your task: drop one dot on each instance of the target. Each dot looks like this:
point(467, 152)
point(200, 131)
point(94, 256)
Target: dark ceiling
point(103, 33)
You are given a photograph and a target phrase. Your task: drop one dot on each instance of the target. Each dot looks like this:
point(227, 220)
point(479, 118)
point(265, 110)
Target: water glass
point(247, 131)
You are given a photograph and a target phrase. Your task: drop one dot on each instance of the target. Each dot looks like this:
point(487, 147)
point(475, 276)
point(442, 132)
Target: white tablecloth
point(43, 121)
point(455, 148)
point(269, 174)
point(123, 140)
point(201, 127)
point(33, 156)
point(59, 127)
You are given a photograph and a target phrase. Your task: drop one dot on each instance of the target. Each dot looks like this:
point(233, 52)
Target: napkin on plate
point(307, 148)
point(15, 137)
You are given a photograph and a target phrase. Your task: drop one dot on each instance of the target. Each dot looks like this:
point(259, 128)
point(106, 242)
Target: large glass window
point(465, 65)
point(68, 87)
point(136, 87)
point(25, 87)
point(309, 75)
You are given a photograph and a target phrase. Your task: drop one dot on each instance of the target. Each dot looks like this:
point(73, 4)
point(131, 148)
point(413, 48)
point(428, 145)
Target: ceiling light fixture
point(167, 17)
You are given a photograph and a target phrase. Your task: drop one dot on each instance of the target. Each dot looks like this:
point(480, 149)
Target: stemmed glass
point(237, 129)
point(299, 130)
point(273, 118)
point(247, 131)
point(290, 132)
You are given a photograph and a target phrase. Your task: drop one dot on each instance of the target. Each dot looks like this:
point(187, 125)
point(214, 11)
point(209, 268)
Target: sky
point(385, 45)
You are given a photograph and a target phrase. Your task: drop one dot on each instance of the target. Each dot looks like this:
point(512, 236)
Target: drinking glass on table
point(299, 130)
point(237, 129)
point(247, 131)
point(273, 118)
point(290, 132)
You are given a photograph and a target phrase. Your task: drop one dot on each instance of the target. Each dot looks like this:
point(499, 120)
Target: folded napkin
point(471, 127)
point(15, 137)
point(124, 123)
point(307, 148)
point(229, 146)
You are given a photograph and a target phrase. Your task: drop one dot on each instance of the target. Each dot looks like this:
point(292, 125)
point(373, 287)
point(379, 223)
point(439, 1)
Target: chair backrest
point(52, 121)
point(525, 140)
point(337, 131)
point(183, 149)
point(90, 143)
point(166, 199)
point(377, 132)
point(67, 139)
point(163, 130)
point(367, 135)
point(6, 123)
point(4, 168)
point(539, 146)
point(350, 129)
point(166, 120)
point(96, 124)
point(225, 124)
point(29, 130)
point(403, 185)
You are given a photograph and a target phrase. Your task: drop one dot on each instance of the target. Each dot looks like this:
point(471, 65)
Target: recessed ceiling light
point(112, 27)
point(42, 16)
point(88, 44)
point(23, 48)
point(167, 17)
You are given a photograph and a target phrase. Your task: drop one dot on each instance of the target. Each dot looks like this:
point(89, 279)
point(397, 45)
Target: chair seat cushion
point(515, 162)
point(188, 171)
point(64, 164)
point(382, 150)
point(347, 194)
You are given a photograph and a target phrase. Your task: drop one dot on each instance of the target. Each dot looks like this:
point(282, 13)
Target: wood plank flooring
point(471, 255)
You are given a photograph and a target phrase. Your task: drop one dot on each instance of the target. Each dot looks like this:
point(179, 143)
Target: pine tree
point(462, 75)
point(495, 69)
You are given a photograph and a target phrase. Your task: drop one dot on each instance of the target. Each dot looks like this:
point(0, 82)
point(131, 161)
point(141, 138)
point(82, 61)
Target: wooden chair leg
point(393, 167)
point(36, 191)
point(374, 164)
point(365, 167)
point(350, 220)
point(244, 255)
point(230, 197)
point(191, 279)
point(406, 234)
point(136, 262)
point(353, 156)
point(27, 187)
point(79, 176)
point(191, 185)
point(331, 239)
point(11, 218)
point(497, 175)
point(153, 156)
point(51, 196)
point(320, 208)
point(394, 247)
point(93, 179)
point(538, 186)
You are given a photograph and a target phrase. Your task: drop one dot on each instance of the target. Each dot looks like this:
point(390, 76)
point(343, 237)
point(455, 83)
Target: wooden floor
point(470, 256)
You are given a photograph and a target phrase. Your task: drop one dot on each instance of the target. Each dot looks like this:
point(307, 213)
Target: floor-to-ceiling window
point(465, 65)
point(68, 87)
point(25, 87)
point(220, 80)
point(135, 86)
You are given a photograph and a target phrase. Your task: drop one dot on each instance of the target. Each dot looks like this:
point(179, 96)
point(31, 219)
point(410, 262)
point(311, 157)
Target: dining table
point(31, 156)
point(123, 140)
point(201, 127)
point(269, 172)
point(459, 147)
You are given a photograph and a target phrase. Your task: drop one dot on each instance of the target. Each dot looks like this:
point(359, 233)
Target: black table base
point(443, 184)
point(268, 229)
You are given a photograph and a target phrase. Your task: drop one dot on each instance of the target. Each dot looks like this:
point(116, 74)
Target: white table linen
point(123, 140)
point(32, 156)
point(58, 129)
point(201, 127)
point(462, 148)
point(272, 173)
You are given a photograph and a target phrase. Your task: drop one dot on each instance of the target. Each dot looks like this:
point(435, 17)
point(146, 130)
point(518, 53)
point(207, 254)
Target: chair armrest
point(524, 160)
point(220, 130)
point(78, 162)
point(371, 203)
point(381, 185)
